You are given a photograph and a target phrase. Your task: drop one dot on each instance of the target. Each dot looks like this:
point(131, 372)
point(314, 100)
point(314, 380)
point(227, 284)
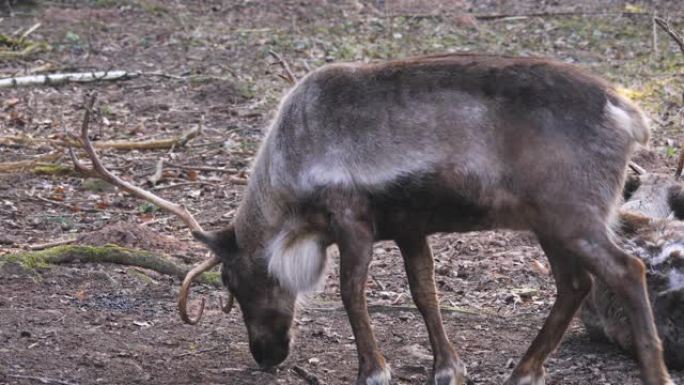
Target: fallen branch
point(399, 308)
point(500, 16)
point(43, 246)
point(181, 184)
point(288, 76)
point(665, 26)
point(20, 165)
point(151, 144)
point(310, 378)
point(238, 180)
point(202, 168)
point(105, 254)
point(497, 16)
point(74, 77)
point(43, 380)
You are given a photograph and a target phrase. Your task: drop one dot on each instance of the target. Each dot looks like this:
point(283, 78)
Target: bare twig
point(637, 169)
point(665, 26)
point(196, 352)
point(288, 76)
point(157, 188)
point(654, 36)
point(30, 31)
point(201, 168)
point(238, 180)
point(43, 380)
point(26, 164)
point(43, 246)
point(310, 378)
point(159, 171)
point(152, 144)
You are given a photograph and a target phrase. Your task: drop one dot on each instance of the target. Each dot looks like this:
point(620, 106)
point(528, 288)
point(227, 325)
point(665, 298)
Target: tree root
point(106, 254)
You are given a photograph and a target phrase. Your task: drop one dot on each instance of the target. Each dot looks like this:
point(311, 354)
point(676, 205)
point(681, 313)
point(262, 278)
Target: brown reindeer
point(365, 152)
point(651, 228)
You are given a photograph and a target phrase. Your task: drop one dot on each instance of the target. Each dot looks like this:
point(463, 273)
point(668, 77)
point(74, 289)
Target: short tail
point(625, 115)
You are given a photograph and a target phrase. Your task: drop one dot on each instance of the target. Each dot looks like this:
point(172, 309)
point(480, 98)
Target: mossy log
point(106, 254)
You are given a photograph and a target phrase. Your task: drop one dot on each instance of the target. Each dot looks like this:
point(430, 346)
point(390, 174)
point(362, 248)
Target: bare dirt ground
point(111, 324)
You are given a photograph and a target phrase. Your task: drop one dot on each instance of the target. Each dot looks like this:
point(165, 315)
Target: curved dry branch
point(288, 76)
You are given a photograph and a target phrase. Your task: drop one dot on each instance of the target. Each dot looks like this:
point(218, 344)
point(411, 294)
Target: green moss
point(212, 278)
point(52, 169)
point(27, 260)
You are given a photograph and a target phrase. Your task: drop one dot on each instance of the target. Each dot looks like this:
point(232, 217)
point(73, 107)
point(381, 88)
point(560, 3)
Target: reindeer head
point(267, 307)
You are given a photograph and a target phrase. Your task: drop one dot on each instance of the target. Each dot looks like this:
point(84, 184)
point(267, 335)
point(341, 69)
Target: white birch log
point(76, 77)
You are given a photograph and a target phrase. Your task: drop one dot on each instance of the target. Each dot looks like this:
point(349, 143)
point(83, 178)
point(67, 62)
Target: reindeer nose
point(269, 352)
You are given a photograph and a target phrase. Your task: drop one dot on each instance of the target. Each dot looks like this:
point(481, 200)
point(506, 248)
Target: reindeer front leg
point(448, 369)
point(354, 237)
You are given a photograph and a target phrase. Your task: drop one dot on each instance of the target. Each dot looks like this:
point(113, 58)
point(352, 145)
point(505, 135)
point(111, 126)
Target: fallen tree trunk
point(105, 254)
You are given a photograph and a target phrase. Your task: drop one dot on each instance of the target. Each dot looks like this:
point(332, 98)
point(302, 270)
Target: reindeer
point(360, 153)
point(651, 228)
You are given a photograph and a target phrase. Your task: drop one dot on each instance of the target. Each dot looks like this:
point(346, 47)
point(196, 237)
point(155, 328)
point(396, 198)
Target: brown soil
point(107, 324)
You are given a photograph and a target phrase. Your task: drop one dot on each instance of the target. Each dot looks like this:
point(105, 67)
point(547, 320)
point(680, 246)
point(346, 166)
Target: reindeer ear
point(221, 242)
point(675, 198)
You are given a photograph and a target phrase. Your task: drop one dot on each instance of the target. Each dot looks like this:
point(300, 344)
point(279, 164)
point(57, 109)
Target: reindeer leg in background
point(353, 231)
point(448, 369)
point(625, 276)
point(573, 283)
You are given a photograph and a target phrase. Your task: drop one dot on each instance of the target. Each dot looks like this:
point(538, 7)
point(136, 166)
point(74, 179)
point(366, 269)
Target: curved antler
point(99, 170)
point(229, 305)
point(185, 289)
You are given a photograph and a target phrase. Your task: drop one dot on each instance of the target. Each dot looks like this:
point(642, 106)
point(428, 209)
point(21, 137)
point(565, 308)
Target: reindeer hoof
point(376, 377)
point(454, 374)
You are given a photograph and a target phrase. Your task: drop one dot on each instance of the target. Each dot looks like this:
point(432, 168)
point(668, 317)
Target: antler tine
point(185, 288)
point(105, 174)
point(226, 308)
point(637, 169)
point(680, 163)
point(101, 171)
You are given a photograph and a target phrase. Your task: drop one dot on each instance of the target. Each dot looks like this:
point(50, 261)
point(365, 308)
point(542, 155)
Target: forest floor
point(207, 62)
